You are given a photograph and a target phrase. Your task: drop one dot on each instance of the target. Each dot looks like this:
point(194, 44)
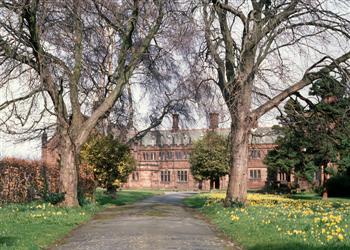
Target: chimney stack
point(213, 120)
point(175, 122)
point(330, 99)
point(44, 139)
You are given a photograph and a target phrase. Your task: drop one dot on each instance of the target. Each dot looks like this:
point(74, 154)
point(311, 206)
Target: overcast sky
point(31, 149)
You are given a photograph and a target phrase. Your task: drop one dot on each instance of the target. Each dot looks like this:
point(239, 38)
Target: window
point(255, 174)
point(282, 176)
point(149, 156)
point(165, 176)
point(182, 176)
point(186, 155)
point(255, 154)
point(135, 176)
point(169, 155)
point(161, 156)
point(178, 155)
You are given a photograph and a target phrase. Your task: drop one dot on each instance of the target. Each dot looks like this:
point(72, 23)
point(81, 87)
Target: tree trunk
point(111, 190)
point(69, 172)
point(237, 186)
point(241, 123)
point(324, 186)
point(325, 194)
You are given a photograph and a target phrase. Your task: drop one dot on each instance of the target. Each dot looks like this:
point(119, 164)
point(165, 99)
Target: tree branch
point(123, 72)
point(232, 10)
point(78, 56)
point(22, 98)
point(307, 79)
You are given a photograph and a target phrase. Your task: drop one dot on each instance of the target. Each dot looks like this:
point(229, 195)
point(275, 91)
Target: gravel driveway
point(157, 223)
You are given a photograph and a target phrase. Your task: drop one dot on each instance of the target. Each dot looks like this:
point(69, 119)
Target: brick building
point(162, 157)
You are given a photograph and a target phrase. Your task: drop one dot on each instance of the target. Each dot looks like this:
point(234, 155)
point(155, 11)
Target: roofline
point(199, 129)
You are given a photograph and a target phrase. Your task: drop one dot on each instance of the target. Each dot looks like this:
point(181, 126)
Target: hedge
point(25, 180)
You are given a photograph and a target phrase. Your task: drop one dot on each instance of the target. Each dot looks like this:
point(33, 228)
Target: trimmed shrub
point(339, 186)
point(24, 181)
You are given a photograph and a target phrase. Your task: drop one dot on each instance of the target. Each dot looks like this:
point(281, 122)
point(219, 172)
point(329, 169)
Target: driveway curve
point(156, 223)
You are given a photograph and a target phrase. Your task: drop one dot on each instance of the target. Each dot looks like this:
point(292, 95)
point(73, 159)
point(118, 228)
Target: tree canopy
point(314, 133)
point(209, 158)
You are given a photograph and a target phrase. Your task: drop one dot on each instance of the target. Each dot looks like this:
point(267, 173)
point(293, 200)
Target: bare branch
point(22, 98)
point(307, 79)
point(231, 9)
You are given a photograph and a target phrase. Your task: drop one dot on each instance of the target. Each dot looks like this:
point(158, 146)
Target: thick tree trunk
point(69, 172)
point(237, 186)
point(241, 123)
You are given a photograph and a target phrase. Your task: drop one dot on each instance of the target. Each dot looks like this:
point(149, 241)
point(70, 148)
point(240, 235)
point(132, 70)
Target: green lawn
point(314, 196)
point(37, 225)
point(279, 222)
point(125, 197)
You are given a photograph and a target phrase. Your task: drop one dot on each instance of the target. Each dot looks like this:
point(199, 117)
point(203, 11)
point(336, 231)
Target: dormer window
point(254, 154)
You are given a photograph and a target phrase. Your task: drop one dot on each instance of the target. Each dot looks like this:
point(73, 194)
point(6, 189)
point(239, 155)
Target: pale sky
point(31, 149)
point(25, 150)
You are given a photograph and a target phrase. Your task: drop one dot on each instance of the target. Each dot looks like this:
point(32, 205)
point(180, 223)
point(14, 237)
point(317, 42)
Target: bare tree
point(248, 47)
point(74, 58)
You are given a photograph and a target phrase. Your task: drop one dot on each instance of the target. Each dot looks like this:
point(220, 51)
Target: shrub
point(54, 198)
point(339, 186)
point(24, 181)
point(112, 161)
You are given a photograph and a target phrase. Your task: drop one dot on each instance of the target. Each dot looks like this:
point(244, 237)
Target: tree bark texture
point(69, 172)
point(241, 123)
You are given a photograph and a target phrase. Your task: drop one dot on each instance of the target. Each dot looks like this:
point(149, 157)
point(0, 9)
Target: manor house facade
point(162, 157)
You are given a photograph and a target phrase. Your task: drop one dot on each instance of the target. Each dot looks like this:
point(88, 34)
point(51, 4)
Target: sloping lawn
point(37, 225)
point(279, 222)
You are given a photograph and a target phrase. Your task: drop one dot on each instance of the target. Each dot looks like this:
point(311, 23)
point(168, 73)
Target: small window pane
point(255, 154)
point(255, 174)
point(165, 176)
point(182, 176)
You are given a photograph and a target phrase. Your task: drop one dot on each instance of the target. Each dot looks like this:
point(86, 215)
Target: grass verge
point(37, 225)
point(124, 197)
point(279, 222)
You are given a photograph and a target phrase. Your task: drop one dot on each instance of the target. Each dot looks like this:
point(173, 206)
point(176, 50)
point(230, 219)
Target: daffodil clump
point(274, 220)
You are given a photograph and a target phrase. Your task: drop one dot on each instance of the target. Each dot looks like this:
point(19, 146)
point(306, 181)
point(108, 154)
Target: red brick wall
point(149, 171)
point(257, 164)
